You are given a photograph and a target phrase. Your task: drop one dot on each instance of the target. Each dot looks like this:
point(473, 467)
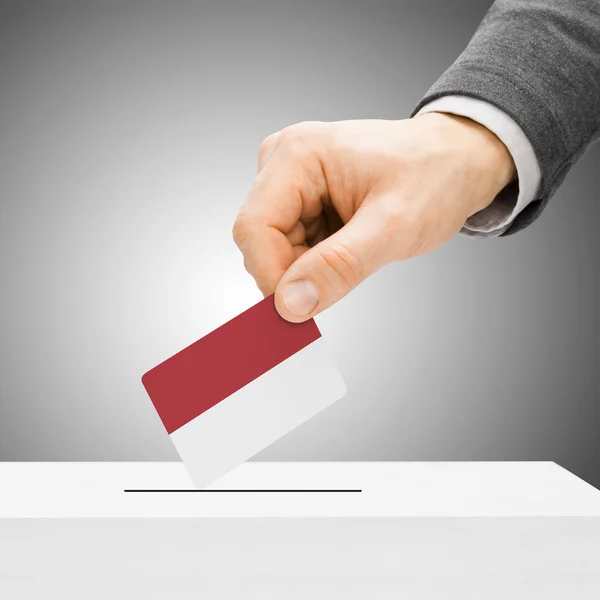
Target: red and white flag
point(242, 387)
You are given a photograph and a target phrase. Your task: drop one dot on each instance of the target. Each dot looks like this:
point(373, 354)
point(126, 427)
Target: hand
point(334, 202)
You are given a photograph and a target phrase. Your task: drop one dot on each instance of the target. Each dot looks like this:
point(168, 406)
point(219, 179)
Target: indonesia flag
point(242, 387)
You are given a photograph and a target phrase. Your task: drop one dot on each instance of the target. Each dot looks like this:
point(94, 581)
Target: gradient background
point(129, 133)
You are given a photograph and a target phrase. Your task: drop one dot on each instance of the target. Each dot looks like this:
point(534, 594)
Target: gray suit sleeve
point(539, 62)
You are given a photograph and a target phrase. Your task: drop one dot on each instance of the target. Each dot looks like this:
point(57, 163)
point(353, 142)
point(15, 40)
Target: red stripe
point(222, 362)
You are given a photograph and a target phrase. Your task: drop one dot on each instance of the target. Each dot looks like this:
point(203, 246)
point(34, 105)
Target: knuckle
point(289, 135)
point(266, 147)
point(297, 151)
point(239, 230)
point(301, 142)
point(344, 263)
point(295, 135)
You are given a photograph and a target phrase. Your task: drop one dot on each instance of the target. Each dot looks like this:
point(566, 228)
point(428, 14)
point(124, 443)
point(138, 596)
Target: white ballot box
point(299, 530)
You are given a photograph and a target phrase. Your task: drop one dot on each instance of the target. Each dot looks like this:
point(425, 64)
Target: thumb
point(327, 272)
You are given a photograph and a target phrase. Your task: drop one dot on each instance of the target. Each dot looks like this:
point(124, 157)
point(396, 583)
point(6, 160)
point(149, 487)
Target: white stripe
point(260, 413)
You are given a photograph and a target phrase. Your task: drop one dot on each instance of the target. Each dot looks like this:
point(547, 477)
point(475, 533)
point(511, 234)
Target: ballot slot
point(291, 491)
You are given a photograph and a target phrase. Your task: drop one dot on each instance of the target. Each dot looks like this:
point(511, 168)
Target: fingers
point(287, 192)
point(269, 144)
point(324, 274)
point(297, 234)
point(266, 150)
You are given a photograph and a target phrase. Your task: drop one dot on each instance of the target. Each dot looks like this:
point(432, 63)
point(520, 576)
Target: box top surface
point(388, 489)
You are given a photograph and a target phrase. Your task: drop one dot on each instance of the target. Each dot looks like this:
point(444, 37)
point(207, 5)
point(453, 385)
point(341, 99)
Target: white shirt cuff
point(497, 217)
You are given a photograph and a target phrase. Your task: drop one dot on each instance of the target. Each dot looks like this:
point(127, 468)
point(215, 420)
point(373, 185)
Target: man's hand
point(334, 202)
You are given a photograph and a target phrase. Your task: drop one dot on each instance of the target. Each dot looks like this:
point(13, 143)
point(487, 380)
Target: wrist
point(489, 164)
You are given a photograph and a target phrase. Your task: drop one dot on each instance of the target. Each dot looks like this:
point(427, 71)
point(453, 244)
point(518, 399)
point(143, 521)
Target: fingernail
point(300, 297)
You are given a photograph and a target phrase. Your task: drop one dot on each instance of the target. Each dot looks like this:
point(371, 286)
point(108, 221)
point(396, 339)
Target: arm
point(537, 61)
point(334, 202)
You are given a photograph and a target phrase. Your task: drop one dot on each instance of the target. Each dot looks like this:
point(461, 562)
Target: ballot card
point(240, 388)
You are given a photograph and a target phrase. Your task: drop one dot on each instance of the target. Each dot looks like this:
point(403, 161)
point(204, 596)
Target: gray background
point(129, 134)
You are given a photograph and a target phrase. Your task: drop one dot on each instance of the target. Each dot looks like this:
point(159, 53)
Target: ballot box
point(299, 530)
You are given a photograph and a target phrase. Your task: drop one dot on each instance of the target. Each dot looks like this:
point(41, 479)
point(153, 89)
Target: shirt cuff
point(499, 215)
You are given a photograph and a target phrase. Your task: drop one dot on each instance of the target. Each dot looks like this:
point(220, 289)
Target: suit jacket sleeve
point(539, 62)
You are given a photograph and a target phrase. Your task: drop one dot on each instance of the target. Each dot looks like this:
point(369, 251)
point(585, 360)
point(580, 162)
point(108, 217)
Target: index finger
point(285, 192)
